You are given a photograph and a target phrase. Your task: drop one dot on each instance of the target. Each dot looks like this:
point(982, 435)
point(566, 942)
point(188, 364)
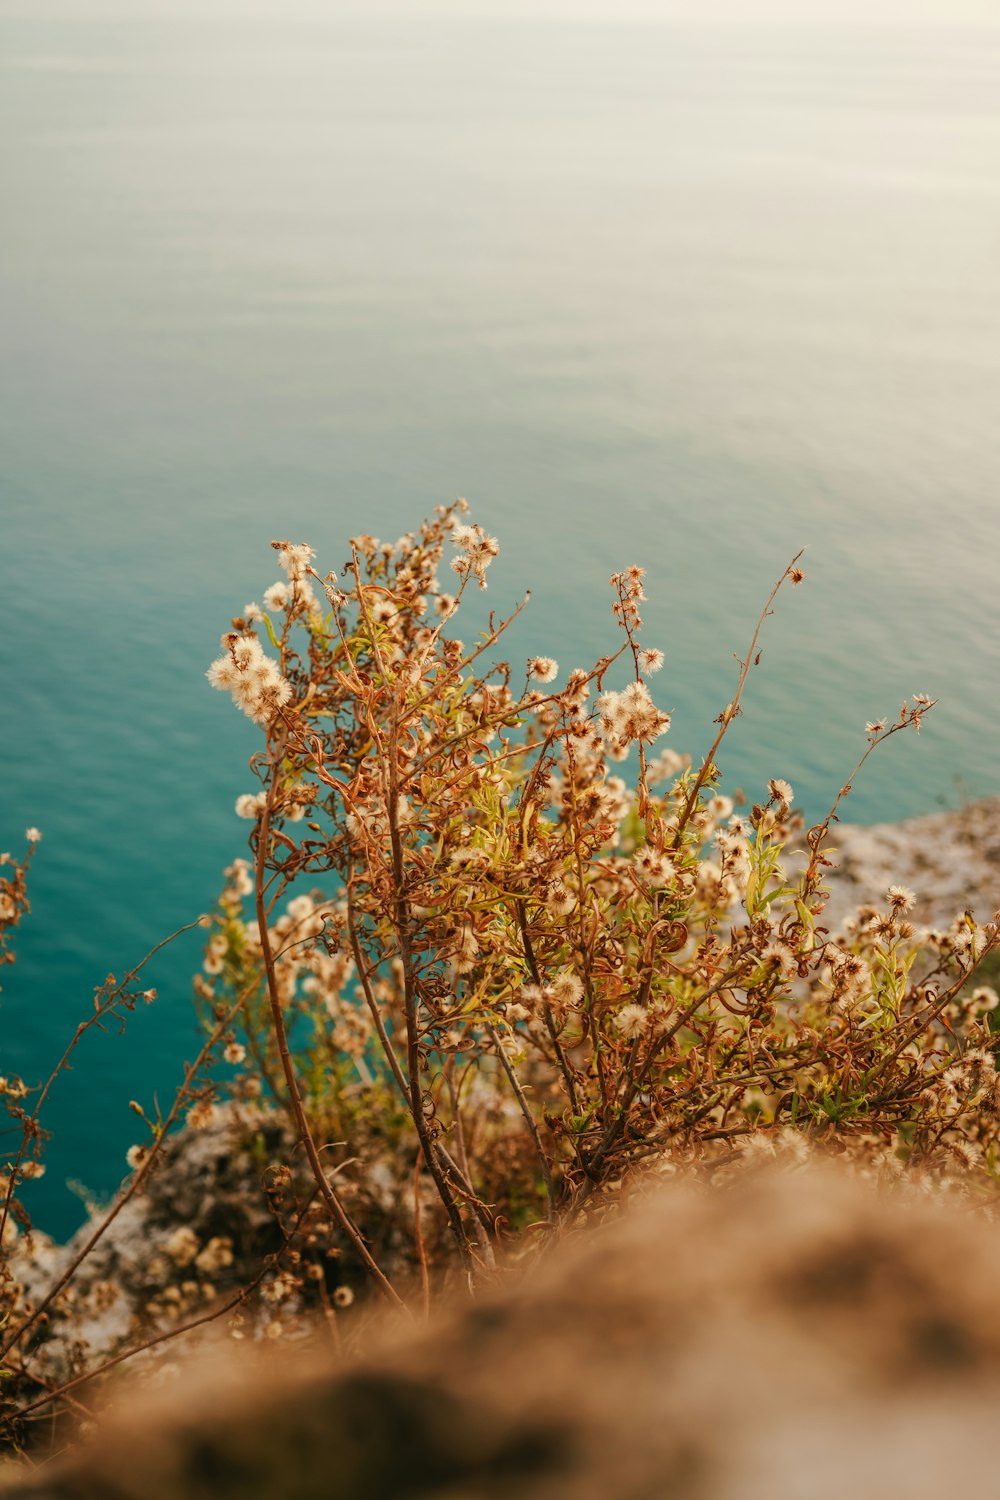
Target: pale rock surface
point(208, 1184)
point(950, 860)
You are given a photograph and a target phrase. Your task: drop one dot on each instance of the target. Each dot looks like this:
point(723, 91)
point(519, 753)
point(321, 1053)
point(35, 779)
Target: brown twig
point(329, 1194)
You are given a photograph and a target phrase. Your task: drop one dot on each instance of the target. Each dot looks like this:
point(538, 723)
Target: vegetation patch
point(494, 958)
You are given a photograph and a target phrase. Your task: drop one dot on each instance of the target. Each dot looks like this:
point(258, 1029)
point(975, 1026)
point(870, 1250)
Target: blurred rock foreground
point(787, 1335)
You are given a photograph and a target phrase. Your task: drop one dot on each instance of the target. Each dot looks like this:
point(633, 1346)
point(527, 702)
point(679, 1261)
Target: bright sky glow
point(746, 12)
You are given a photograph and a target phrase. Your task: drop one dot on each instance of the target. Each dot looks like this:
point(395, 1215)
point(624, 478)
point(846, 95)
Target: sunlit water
point(689, 296)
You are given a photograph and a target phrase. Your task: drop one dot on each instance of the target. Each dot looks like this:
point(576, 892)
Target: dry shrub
point(491, 985)
point(469, 933)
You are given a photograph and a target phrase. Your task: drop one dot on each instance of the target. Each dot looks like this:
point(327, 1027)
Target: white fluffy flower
point(632, 1021)
point(293, 558)
point(656, 868)
point(277, 597)
point(543, 668)
point(900, 898)
point(566, 989)
point(251, 804)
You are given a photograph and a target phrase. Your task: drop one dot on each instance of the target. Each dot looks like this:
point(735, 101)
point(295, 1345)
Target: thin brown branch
point(327, 1191)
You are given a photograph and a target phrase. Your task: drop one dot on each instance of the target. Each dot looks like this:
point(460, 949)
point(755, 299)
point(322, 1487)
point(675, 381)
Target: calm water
point(694, 296)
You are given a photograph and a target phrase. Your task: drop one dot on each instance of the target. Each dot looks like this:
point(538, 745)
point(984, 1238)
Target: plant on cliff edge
point(491, 984)
point(473, 937)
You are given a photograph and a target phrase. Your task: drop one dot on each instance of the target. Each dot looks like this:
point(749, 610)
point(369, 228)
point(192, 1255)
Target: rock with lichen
point(200, 1226)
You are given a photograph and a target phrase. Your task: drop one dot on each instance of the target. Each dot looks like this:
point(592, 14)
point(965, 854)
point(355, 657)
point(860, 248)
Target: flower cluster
point(294, 596)
point(630, 716)
point(253, 678)
point(631, 594)
point(477, 551)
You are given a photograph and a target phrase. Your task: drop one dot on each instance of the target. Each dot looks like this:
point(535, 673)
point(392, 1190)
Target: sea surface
point(684, 294)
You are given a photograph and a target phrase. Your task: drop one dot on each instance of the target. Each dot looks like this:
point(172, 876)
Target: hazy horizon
point(874, 13)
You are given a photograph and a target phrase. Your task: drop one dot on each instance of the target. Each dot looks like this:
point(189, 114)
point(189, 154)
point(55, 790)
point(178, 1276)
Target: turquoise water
point(689, 295)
